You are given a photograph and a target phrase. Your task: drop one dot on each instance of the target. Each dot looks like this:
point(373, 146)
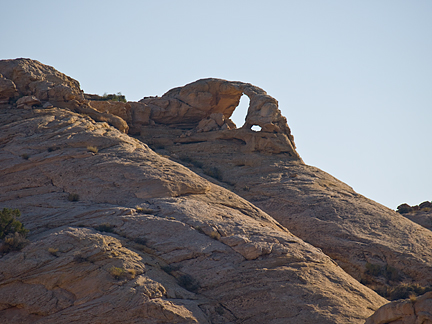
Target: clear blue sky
point(353, 78)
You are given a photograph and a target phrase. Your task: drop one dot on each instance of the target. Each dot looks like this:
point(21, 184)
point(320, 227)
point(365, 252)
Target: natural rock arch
point(218, 98)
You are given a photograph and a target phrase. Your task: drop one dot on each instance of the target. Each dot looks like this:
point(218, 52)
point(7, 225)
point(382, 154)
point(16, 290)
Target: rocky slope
point(356, 232)
point(152, 241)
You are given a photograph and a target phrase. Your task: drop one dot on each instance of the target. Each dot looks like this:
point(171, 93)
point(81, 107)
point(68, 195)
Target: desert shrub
point(402, 291)
point(373, 269)
point(53, 251)
point(114, 97)
point(25, 156)
point(117, 272)
point(12, 231)
point(425, 204)
point(391, 273)
point(188, 282)
point(93, 149)
point(9, 223)
point(404, 208)
point(144, 210)
point(215, 235)
point(407, 291)
point(13, 242)
point(105, 227)
point(73, 197)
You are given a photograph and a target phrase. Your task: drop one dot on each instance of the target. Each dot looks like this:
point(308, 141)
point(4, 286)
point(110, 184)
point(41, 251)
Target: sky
point(353, 78)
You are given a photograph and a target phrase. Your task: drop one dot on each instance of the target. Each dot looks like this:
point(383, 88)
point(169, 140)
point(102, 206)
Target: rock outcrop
point(408, 311)
point(206, 105)
point(32, 79)
point(420, 214)
point(356, 232)
point(221, 225)
point(226, 261)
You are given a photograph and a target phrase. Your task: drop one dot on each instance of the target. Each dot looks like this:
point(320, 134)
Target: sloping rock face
point(360, 234)
point(409, 311)
point(148, 240)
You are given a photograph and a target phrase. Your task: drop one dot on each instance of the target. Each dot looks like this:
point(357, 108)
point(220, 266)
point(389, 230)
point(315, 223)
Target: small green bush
point(404, 208)
point(115, 97)
point(12, 231)
point(9, 223)
point(25, 156)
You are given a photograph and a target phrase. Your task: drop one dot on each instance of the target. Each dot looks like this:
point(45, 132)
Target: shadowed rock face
point(149, 240)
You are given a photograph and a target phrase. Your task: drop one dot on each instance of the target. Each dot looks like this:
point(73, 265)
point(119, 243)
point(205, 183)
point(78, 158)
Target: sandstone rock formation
point(25, 77)
point(356, 232)
point(409, 311)
point(207, 104)
point(163, 216)
point(148, 240)
point(154, 241)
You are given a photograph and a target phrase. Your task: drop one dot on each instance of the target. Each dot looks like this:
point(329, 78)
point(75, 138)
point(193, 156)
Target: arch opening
point(256, 128)
point(240, 112)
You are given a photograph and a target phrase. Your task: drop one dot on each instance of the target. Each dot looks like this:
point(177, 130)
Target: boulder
point(28, 102)
point(407, 311)
point(120, 109)
point(8, 90)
